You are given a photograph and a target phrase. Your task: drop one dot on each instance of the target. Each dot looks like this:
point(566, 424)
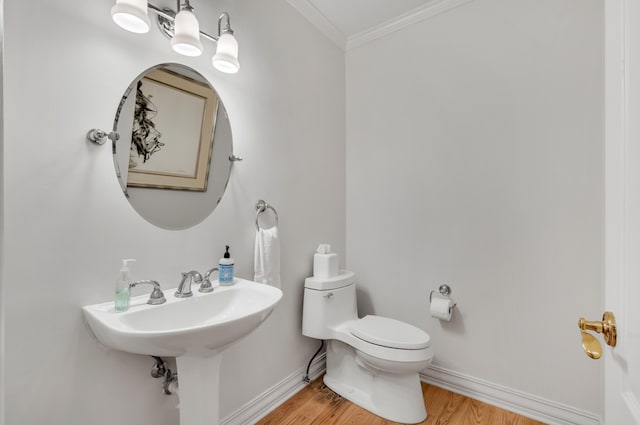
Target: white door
point(622, 209)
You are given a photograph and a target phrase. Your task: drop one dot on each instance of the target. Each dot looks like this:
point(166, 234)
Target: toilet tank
point(328, 302)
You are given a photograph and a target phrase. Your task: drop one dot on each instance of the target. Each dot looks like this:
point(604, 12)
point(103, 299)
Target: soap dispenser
point(123, 295)
point(226, 269)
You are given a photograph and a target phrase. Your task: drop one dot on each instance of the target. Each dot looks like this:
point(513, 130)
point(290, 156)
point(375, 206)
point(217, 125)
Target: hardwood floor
point(318, 405)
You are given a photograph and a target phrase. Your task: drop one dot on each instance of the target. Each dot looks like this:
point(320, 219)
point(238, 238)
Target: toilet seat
point(390, 333)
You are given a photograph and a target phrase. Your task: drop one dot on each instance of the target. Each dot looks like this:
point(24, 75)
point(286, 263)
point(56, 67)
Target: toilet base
point(393, 396)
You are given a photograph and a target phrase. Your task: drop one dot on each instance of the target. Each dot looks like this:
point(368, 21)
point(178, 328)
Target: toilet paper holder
point(444, 290)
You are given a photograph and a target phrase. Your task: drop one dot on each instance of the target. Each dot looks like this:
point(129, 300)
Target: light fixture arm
point(165, 13)
point(227, 28)
point(166, 17)
point(187, 6)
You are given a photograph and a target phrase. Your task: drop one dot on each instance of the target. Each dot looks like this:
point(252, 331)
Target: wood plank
point(289, 407)
point(318, 405)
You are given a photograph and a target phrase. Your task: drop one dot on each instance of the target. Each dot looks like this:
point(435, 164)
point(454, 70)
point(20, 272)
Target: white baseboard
point(268, 401)
point(534, 407)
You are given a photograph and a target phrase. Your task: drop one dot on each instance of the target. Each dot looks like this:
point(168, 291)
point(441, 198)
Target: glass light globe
point(226, 57)
point(186, 39)
point(131, 15)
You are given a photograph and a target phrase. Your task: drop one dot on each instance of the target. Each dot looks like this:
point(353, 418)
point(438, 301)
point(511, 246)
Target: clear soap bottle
point(123, 296)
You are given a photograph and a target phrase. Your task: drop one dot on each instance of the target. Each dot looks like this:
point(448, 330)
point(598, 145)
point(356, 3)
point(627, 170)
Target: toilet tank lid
point(390, 333)
point(344, 278)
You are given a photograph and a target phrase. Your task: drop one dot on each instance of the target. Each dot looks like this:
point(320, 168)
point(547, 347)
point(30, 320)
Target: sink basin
point(195, 326)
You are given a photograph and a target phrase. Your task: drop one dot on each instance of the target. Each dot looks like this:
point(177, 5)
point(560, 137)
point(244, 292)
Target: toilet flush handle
point(329, 295)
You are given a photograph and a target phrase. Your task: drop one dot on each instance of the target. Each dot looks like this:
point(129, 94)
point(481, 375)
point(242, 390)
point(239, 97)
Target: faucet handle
point(157, 296)
point(207, 286)
point(197, 277)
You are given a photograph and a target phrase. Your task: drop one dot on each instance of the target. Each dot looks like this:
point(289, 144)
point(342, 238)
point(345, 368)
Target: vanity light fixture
point(182, 28)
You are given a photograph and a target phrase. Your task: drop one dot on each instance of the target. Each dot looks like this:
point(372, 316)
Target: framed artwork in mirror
point(172, 134)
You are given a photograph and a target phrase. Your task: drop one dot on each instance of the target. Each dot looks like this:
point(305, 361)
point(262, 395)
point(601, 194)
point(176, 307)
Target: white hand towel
point(267, 257)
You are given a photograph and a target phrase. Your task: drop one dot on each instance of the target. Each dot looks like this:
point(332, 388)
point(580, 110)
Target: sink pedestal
point(199, 395)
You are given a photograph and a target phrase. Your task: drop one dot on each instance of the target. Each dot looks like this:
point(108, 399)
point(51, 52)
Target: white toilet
point(373, 361)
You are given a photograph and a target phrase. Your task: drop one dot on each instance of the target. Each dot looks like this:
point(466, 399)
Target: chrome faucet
point(156, 297)
point(207, 286)
point(184, 287)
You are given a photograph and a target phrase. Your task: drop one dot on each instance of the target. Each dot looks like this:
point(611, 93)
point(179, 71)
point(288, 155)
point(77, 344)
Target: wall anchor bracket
point(100, 136)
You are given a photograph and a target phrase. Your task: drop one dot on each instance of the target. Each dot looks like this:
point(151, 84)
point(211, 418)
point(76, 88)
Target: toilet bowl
point(372, 361)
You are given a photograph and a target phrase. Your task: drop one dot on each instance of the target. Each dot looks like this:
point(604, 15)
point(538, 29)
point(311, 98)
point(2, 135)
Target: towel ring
point(262, 206)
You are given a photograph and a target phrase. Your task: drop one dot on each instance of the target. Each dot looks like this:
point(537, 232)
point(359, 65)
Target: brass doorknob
point(607, 327)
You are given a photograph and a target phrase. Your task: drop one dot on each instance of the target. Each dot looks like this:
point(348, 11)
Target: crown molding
point(325, 26)
point(427, 11)
point(421, 13)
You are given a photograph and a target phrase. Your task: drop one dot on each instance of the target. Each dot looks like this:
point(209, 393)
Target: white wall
point(67, 223)
point(475, 158)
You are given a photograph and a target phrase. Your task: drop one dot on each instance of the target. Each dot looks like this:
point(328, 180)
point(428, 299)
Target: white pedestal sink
point(195, 330)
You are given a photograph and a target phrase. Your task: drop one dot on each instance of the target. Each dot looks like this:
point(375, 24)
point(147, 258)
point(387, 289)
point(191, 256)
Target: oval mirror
point(173, 155)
